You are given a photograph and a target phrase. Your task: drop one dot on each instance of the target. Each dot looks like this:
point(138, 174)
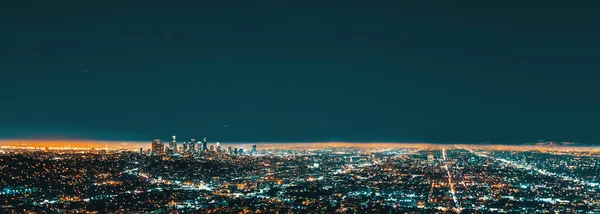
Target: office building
point(173, 144)
point(192, 146)
point(157, 147)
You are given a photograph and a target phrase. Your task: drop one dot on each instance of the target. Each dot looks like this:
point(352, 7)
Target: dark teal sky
point(434, 71)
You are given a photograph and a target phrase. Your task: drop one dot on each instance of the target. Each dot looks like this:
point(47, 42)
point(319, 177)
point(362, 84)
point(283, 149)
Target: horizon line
point(125, 142)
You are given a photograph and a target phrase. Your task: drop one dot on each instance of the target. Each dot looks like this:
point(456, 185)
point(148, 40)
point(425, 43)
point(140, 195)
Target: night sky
point(406, 71)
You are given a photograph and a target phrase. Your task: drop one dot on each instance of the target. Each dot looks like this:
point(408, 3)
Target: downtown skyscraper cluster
point(193, 147)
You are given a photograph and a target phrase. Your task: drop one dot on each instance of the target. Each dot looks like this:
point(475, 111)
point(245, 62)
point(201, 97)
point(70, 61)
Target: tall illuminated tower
point(173, 144)
point(204, 148)
point(157, 147)
point(192, 146)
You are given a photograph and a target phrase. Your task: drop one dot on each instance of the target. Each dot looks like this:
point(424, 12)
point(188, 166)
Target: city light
point(301, 177)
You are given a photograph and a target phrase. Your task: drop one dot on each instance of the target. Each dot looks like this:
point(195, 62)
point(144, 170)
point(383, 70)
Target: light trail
point(452, 190)
point(444, 153)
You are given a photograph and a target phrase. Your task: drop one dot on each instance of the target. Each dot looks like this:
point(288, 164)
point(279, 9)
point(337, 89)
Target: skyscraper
point(185, 147)
point(192, 146)
point(157, 147)
point(253, 148)
point(204, 148)
point(173, 144)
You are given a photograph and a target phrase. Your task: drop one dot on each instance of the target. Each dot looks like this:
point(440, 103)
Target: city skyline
point(304, 178)
point(86, 145)
point(341, 107)
point(344, 107)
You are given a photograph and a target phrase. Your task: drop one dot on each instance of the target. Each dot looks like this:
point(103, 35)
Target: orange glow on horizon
point(134, 145)
point(58, 144)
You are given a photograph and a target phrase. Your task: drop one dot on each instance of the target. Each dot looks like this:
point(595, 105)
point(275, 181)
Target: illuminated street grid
point(329, 178)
